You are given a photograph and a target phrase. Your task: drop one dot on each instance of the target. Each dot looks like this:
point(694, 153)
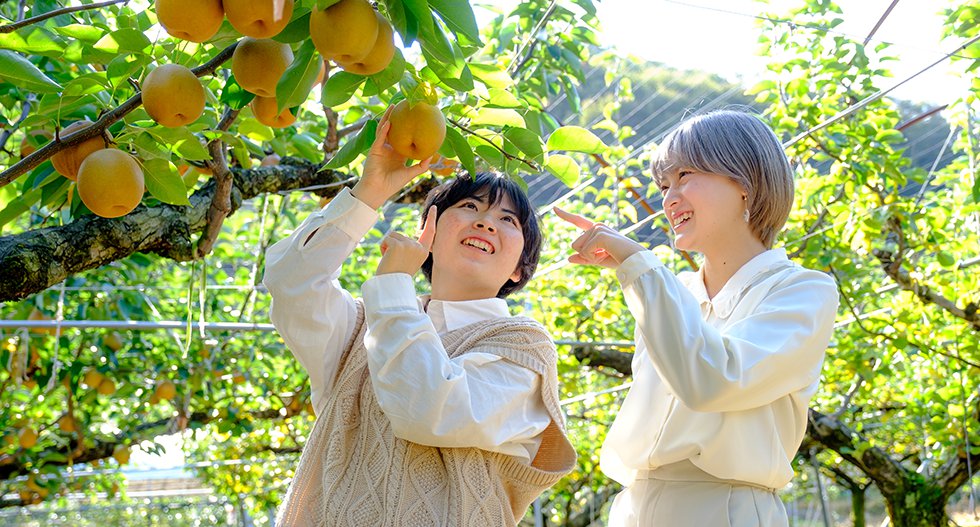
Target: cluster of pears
point(353, 35)
point(199, 20)
point(110, 181)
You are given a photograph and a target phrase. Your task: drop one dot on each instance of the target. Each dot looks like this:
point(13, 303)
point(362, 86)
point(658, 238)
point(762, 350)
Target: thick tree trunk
point(922, 505)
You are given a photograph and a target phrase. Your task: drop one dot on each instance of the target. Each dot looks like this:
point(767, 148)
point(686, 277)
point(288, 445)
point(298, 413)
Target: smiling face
point(477, 248)
point(705, 211)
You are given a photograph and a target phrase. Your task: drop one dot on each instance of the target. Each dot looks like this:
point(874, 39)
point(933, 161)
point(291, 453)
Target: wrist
point(369, 196)
point(624, 250)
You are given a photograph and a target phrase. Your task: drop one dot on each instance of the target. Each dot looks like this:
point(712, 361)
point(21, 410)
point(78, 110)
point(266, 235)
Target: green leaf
point(85, 85)
point(354, 147)
point(889, 136)
point(296, 83)
point(491, 155)
point(564, 168)
point(503, 99)
point(575, 139)
point(946, 259)
point(340, 87)
point(462, 149)
point(492, 75)
point(20, 72)
point(976, 190)
point(234, 95)
point(458, 15)
point(307, 147)
point(81, 32)
point(149, 147)
point(386, 78)
point(435, 42)
point(525, 140)
point(497, 117)
point(121, 68)
point(404, 21)
point(253, 129)
point(164, 183)
point(123, 41)
point(455, 74)
point(33, 40)
point(296, 31)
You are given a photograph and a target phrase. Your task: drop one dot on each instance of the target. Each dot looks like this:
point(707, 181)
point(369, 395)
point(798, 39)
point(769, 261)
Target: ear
point(517, 274)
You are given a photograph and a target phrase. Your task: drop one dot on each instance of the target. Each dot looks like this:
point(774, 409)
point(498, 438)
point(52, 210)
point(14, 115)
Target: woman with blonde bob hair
point(727, 357)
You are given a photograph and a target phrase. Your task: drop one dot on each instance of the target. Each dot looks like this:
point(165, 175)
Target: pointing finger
point(579, 221)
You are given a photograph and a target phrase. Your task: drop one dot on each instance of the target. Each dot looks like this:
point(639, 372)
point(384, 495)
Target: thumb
point(429, 229)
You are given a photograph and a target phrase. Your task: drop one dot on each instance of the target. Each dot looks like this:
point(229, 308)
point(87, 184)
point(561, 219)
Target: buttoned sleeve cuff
point(392, 291)
point(634, 266)
point(347, 213)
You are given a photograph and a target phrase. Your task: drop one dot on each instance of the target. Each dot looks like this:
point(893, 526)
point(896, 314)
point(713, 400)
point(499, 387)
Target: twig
point(221, 202)
point(331, 140)
point(531, 164)
point(10, 28)
point(344, 132)
point(520, 58)
point(9, 131)
point(108, 118)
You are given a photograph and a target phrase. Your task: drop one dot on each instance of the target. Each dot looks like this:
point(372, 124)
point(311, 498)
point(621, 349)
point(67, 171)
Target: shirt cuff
point(634, 266)
point(349, 214)
point(390, 291)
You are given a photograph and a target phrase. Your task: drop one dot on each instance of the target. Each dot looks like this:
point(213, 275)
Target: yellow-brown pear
point(173, 96)
point(345, 31)
point(416, 132)
point(192, 20)
point(264, 109)
point(259, 63)
point(67, 161)
point(380, 55)
point(258, 18)
point(110, 183)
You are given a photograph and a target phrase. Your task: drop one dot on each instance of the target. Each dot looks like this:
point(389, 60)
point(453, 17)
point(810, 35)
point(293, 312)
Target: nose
point(484, 222)
point(670, 198)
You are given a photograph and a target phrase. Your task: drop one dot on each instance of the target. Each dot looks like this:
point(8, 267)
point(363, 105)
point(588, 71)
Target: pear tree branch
point(108, 118)
point(10, 28)
point(221, 205)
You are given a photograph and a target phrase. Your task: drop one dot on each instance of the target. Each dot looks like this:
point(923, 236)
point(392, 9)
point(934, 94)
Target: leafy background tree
point(532, 95)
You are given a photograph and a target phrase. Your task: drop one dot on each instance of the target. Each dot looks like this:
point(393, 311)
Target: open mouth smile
point(482, 245)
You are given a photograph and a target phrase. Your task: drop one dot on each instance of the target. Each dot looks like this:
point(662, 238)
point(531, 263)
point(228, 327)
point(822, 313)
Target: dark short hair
point(493, 188)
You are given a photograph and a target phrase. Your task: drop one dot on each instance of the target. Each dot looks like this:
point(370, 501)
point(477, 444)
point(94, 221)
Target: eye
point(664, 189)
point(511, 219)
point(683, 173)
point(469, 204)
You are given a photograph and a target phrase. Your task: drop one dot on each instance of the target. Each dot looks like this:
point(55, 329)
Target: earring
point(746, 216)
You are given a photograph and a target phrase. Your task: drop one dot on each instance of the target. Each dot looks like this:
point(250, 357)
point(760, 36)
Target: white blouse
point(722, 382)
point(476, 400)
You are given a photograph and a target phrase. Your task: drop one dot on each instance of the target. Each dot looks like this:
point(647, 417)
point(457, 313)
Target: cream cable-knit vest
point(354, 472)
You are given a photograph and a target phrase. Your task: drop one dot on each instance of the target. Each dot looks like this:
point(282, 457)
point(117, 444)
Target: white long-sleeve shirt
point(478, 399)
point(722, 382)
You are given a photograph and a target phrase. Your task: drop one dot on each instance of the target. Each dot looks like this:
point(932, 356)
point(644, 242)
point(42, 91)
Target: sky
point(720, 36)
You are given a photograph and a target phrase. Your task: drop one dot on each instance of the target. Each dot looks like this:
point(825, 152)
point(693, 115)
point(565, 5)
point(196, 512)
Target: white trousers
point(688, 500)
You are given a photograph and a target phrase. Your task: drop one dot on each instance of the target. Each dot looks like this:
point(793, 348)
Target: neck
point(452, 292)
point(719, 267)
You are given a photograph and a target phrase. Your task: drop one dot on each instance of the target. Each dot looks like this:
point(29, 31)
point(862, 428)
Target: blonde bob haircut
point(738, 145)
